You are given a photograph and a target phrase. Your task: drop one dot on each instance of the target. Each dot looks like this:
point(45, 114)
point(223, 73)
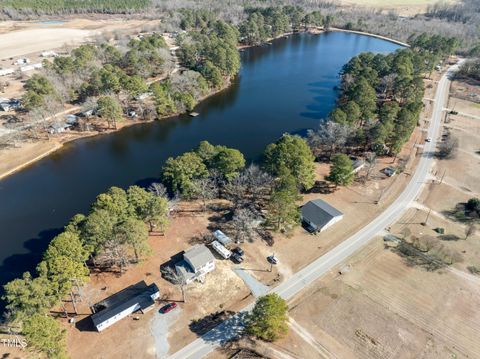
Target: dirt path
point(310, 339)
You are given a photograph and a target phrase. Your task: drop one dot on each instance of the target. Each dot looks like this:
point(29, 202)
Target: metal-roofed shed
point(320, 215)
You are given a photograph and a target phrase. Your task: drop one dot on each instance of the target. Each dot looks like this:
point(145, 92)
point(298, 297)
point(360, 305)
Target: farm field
point(385, 308)
point(402, 7)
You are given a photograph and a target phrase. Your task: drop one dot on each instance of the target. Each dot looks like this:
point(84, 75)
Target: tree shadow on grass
point(322, 187)
point(449, 237)
point(415, 258)
point(220, 327)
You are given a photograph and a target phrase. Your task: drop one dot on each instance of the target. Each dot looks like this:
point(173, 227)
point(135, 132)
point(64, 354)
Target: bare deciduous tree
point(158, 189)
point(370, 162)
point(250, 189)
point(172, 276)
point(448, 148)
point(245, 222)
point(328, 138)
point(205, 189)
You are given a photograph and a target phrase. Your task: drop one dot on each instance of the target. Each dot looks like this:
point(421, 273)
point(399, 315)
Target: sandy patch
point(19, 43)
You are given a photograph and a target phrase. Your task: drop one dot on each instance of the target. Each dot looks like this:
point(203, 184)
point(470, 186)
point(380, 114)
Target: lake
point(286, 87)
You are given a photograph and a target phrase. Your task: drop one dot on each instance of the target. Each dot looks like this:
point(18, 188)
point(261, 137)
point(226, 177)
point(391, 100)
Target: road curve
point(231, 327)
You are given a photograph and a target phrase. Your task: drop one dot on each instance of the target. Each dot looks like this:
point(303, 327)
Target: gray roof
point(183, 269)
point(319, 212)
point(138, 293)
point(198, 255)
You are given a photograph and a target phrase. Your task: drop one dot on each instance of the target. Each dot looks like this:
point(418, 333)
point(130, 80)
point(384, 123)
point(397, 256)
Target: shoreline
point(398, 42)
point(60, 144)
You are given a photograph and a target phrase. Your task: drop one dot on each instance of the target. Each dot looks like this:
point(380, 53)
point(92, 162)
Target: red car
point(168, 307)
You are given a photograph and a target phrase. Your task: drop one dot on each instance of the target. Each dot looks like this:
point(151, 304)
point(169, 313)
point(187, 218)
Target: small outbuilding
point(357, 164)
point(119, 305)
point(318, 215)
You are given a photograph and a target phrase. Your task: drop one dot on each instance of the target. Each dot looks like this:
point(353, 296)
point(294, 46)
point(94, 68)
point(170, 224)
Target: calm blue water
point(286, 87)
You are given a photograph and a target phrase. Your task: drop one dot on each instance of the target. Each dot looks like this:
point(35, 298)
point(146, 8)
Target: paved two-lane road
point(231, 327)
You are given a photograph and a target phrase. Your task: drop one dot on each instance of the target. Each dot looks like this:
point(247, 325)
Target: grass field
point(403, 7)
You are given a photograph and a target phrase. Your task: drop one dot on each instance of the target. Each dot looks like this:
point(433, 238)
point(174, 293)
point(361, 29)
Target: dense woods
point(74, 6)
point(380, 99)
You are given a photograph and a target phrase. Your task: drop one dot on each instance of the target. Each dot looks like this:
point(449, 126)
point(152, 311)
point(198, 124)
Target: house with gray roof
point(318, 215)
point(197, 262)
point(139, 296)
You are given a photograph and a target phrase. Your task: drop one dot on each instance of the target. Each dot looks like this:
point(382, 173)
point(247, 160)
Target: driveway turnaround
point(233, 326)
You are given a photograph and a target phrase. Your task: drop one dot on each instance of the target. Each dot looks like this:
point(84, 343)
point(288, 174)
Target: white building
point(318, 215)
point(129, 300)
point(49, 54)
point(224, 252)
point(5, 72)
point(22, 61)
point(197, 262)
point(31, 67)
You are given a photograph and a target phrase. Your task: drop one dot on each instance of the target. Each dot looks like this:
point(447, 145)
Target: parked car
point(428, 139)
point(237, 258)
point(167, 308)
point(239, 251)
point(272, 259)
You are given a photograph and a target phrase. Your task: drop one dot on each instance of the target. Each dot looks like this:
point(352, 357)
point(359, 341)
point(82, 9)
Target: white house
point(31, 67)
point(318, 215)
point(49, 54)
point(197, 262)
point(22, 61)
point(129, 300)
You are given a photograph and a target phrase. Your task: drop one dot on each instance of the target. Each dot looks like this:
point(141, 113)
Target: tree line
point(458, 19)
point(73, 6)
point(263, 24)
point(113, 235)
point(380, 99)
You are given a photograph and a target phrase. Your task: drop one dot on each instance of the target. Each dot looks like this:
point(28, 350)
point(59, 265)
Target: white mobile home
point(129, 300)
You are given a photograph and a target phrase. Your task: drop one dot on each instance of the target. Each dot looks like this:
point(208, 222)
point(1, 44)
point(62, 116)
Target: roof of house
point(319, 212)
point(358, 163)
point(138, 293)
point(183, 268)
point(198, 255)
